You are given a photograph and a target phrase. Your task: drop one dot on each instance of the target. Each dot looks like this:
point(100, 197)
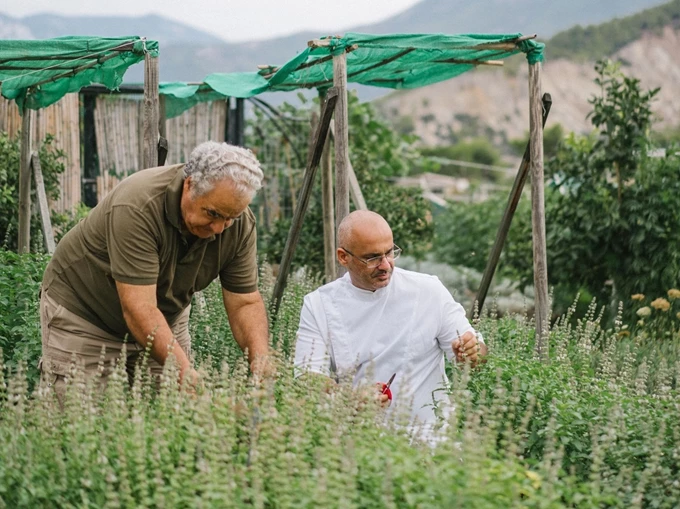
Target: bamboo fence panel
point(117, 126)
point(203, 122)
point(61, 120)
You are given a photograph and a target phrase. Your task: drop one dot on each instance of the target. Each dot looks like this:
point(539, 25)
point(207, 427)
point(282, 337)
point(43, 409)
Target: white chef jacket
point(365, 336)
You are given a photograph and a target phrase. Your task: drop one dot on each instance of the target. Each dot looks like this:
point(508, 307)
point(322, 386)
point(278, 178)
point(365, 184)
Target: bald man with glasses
point(378, 320)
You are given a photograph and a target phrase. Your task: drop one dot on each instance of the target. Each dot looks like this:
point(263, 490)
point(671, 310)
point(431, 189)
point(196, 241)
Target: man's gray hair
point(211, 162)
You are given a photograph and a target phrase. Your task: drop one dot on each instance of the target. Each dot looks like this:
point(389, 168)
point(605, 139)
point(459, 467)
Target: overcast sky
point(232, 20)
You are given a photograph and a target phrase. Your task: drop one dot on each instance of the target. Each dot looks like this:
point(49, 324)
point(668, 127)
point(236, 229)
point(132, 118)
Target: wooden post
point(538, 210)
point(510, 207)
point(48, 233)
point(341, 144)
point(25, 183)
point(240, 122)
point(150, 126)
point(90, 161)
point(305, 192)
point(162, 132)
point(329, 248)
point(354, 189)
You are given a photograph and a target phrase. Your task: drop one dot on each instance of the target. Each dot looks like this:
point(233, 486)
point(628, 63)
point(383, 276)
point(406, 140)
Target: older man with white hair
point(127, 272)
point(379, 320)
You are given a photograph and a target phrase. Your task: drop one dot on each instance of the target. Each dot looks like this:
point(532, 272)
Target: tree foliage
point(598, 41)
point(612, 212)
point(52, 165)
point(377, 154)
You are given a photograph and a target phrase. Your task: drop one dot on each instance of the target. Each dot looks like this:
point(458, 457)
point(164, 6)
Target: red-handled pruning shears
point(386, 387)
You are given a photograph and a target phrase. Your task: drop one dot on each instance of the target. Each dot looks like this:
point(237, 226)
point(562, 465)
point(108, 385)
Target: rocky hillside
point(493, 102)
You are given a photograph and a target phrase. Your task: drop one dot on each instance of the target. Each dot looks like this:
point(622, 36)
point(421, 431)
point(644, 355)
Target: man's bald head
point(361, 226)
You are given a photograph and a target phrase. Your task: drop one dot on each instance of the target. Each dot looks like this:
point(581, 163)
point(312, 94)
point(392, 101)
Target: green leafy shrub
point(377, 154)
point(596, 426)
point(51, 164)
point(20, 278)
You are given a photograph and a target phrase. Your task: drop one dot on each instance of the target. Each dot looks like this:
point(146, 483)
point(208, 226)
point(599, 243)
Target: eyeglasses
point(375, 261)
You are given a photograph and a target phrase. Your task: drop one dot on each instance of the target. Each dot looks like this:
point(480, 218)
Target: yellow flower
point(645, 311)
point(638, 296)
point(674, 293)
point(534, 478)
point(661, 304)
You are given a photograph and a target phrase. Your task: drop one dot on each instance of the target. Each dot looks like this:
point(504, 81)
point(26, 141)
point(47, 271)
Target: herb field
point(596, 426)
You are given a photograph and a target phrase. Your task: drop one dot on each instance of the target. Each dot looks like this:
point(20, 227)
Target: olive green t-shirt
point(133, 236)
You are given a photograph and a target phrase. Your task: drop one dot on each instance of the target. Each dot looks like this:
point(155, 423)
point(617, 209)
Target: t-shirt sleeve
point(239, 275)
point(311, 350)
point(132, 242)
point(453, 322)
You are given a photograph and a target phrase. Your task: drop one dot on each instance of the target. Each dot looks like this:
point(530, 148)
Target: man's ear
point(343, 257)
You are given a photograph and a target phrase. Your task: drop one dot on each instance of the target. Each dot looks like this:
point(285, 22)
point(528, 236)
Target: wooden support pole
point(341, 144)
point(305, 192)
point(162, 131)
point(328, 213)
point(538, 211)
point(240, 122)
point(150, 126)
point(48, 233)
point(24, 244)
point(354, 189)
point(510, 207)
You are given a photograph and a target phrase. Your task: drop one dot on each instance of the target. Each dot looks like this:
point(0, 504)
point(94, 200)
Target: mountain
point(494, 102)
point(487, 102)
point(154, 27)
point(542, 17)
point(188, 54)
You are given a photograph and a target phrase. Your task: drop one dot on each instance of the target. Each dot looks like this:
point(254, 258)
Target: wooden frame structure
point(533, 160)
point(150, 148)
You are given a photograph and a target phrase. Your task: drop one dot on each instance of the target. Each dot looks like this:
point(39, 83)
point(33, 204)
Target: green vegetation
point(476, 150)
point(612, 212)
point(377, 154)
point(596, 426)
point(598, 41)
point(52, 165)
point(553, 135)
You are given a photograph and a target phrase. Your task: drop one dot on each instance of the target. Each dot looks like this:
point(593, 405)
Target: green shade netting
point(390, 61)
point(39, 73)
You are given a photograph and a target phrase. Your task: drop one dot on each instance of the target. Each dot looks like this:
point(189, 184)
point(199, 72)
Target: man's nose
point(219, 226)
point(385, 262)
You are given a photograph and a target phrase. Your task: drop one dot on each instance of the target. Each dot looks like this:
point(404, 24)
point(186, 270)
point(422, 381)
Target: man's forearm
point(147, 323)
point(251, 329)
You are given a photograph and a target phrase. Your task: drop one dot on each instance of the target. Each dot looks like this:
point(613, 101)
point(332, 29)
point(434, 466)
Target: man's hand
point(191, 380)
point(467, 348)
point(263, 367)
point(384, 395)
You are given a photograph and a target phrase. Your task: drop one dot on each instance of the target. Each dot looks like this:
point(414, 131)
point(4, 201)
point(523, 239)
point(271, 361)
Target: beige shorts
point(66, 336)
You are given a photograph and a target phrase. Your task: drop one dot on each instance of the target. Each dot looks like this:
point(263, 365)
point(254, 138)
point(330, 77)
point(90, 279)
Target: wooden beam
point(48, 233)
point(538, 211)
point(354, 189)
point(151, 109)
point(24, 243)
point(510, 207)
point(329, 244)
point(341, 144)
point(304, 195)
